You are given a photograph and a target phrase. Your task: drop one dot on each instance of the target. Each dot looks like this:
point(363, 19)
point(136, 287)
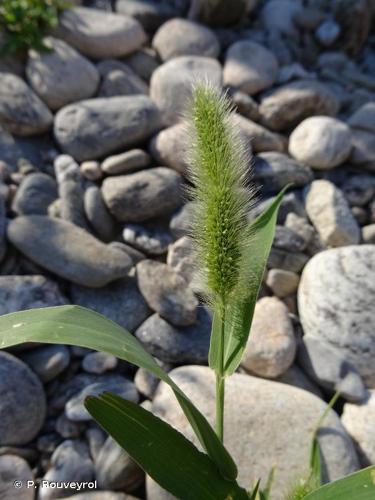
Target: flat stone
point(47, 361)
point(117, 78)
point(364, 118)
point(61, 75)
point(282, 283)
point(21, 111)
point(34, 195)
point(123, 163)
point(171, 83)
point(67, 250)
point(170, 146)
point(167, 293)
point(99, 362)
point(99, 34)
point(22, 404)
point(143, 195)
point(97, 214)
point(330, 214)
point(13, 468)
point(152, 239)
point(336, 304)
point(120, 122)
point(259, 137)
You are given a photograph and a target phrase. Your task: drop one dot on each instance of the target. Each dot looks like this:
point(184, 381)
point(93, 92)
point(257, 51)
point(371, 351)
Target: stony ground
point(92, 212)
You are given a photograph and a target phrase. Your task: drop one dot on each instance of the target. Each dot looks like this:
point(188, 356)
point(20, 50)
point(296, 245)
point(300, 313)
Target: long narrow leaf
point(164, 453)
point(75, 325)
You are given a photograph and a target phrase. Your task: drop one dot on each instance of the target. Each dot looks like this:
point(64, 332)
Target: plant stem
point(220, 383)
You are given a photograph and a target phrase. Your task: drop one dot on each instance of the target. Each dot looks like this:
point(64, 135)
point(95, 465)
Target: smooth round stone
point(279, 15)
point(336, 304)
point(91, 170)
point(22, 403)
point(143, 62)
point(321, 142)
point(99, 362)
point(249, 67)
point(13, 468)
point(182, 258)
point(135, 159)
point(21, 111)
point(368, 233)
point(97, 214)
point(258, 436)
point(34, 195)
point(47, 361)
point(99, 34)
point(143, 195)
point(172, 82)
point(364, 118)
point(180, 224)
point(170, 147)
point(258, 137)
point(152, 239)
point(181, 37)
point(67, 250)
point(281, 282)
point(363, 152)
point(61, 75)
point(117, 78)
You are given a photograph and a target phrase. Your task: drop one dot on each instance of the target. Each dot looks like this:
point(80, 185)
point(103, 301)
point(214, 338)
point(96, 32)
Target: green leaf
point(357, 486)
point(240, 315)
point(75, 325)
point(164, 453)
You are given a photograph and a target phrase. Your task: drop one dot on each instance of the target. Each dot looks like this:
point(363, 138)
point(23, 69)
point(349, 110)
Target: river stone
point(167, 293)
point(336, 304)
point(330, 214)
point(289, 104)
point(47, 361)
point(67, 250)
point(117, 78)
point(97, 213)
point(22, 402)
point(61, 75)
point(99, 34)
point(181, 37)
point(321, 142)
point(364, 118)
point(249, 67)
point(142, 195)
point(99, 362)
point(152, 239)
point(10, 151)
point(34, 195)
point(363, 152)
point(169, 147)
point(259, 138)
point(279, 16)
point(13, 468)
point(282, 283)
point(135, 159)
point(296, 377)
point(182, 258)
point(181, 222)
point(257, 436)
point(120, 301)
point(21, 111)
point(120, 122)
point(171, 83)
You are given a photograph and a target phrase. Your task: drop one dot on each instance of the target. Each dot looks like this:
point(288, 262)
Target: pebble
point(3, 223)
point(150, 14)
point(152, 239)
point(368, 233)
point(134, 254)
point(170, 147)
point(300, 226)
point(289, 261)
point(123, 163)
point(91, 170)
point(296, 377)
point(34, 195)
point(48, 362)
point(99, 362)
point(67, 250)
point(146, 383)
point(282, 283)
point(286, 239)
point(259, 138)
point(117, 78)
point(363, 152)
point(330, 214)
point(13, 468)
point(364, 118)
point(66, 428)
point(321, 142)
point(181, 258)
point(143, 62)
point(180, 224)
point(220, 14)
point(327, 32)
point(23, 402)
point(142, 195)
point(167, 293)
point(97, 214)
point(61, 75)
point(279, 15)
point(359, 189)
point(10, 151)
point(245, 105)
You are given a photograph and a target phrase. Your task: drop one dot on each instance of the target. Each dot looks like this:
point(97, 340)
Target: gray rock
point(13, 468)
point(22, 404)
point(68, 429)
point(61, 75)
point(122, 163)
point(120, 301)
point(282, 283)
point(142, 195)
point(246, 105)
point(171, 83)
point(180, 224)
point(330, 214)
point(336, 304)
point(359, 189)
point(220, 13)
point(120, 122)
point(283, 259)
point(363, 152)
point(249, 67)
point(21, 111)
point(300, 226)
point(368, 233)
point(364, 118)
point(296, 377)
point(289, 104)
point(167, 293)
point(34, 195)
point(99, 362)
point(10, 152)
point(91, 170)
point(327, 32)
point(146, 383)
point(321, 142)
point(287, 239)
point(152, 239)
point(67, 250)
point(177, 345)
point(170, 146)
point(18, 293)
point(3, 223)
point(119, 79)
point(257, 436)
point(181, 257)
point(98, 34)
point(47, 361)
point(279, 15)
point(143, 62)
point(259, 138)
point(151, 14)
point(97, 213)
point(134, 254)
point(67, 389)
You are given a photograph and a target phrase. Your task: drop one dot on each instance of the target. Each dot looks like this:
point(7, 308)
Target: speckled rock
point(34, 195)
point(169, 147)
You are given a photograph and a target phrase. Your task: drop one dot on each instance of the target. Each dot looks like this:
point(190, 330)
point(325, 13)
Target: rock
point(327, 32)
point(249, 67)
point(97, 213)
point(282, 283)
point(300, 226)
point(368, 233)
point(330, 214)
point(142, 195)
point(171, 83)
point(61, 75)
point(150, 14)
point(72, 386)
point(167, 293)
point(321, 142)
point(119, 79)
point(169, 147)
point(363, 152)
point(152, 239)
point(335, 300)
point(279, 16)
point(91, 170)
point(177, 345)
point(121, 122)
point(271, 346)
point(364, 118)
point(123, 163)
point(143, 63)
point(146, 383)
point(99, 362)
point(359, 189)
point(68, 429)
point(3, 223)
point(18, 293)
point(120, 301)
point(358, 421)
point(289, 104)
point(22, 404)
point(180, 224)
point(330, 369)
point(287, 239)
point(257, 436)
point(134, 254)
point(34, 195)
point(98, 34)
point(115, 470)
point(181, 37)
point(21, 111)
point(220, 13)
point(67, 250)
point(282, 259)
point(245, 105)
point(13, 468)
point(181, 258)
point(96, 438)
point(296, 377)
point(10, 152)
point(259, 137)
point(47, 361)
